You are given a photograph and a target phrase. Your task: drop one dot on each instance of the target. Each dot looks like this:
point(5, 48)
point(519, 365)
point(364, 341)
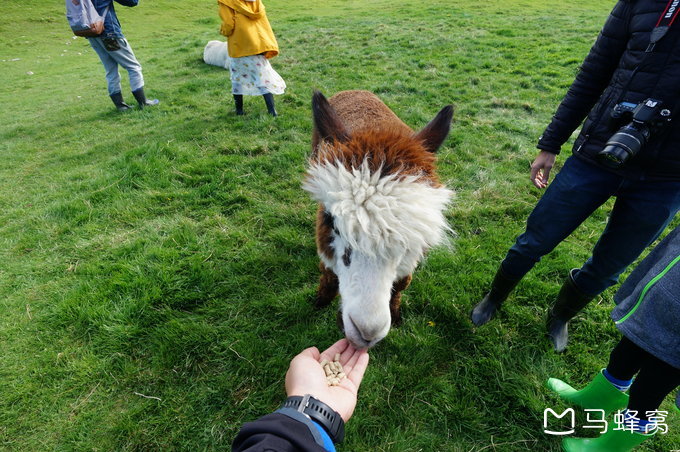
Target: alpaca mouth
point(357, 342)
point(355, 337)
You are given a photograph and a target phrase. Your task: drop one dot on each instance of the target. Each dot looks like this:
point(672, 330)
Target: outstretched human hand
point(306, 376)
point(540, 168)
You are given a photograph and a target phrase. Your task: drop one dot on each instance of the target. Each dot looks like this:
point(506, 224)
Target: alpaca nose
point(368, 331)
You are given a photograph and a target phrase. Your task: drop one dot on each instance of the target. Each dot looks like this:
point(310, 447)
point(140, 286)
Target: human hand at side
point(306, 376)
point(540, 168)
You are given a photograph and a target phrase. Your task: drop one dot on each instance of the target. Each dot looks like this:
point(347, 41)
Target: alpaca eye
point(347, 257)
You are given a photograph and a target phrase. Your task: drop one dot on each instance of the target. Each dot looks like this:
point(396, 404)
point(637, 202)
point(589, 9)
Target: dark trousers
point(641, 212)
point(655, 378)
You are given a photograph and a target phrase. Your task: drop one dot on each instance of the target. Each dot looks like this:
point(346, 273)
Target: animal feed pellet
point(333, 370)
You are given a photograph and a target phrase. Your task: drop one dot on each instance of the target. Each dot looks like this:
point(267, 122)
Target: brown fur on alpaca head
point(380, 206)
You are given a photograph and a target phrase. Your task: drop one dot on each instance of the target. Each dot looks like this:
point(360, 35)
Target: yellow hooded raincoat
point(247, 29)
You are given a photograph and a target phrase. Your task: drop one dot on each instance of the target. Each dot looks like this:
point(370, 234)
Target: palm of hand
point(306, 376)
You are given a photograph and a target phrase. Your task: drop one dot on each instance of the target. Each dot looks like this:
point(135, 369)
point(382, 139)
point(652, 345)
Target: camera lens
point(621, 146)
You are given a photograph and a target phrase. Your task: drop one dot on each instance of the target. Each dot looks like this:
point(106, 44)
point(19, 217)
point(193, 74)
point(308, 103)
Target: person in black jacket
point(114, 50)
point(312, 418)
point(623, 66)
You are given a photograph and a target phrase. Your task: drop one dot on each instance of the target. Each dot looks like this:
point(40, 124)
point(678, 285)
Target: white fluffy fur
point(386, 217)
point(216, 54)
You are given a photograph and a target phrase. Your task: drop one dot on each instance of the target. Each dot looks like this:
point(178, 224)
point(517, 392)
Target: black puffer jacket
point(609, 76)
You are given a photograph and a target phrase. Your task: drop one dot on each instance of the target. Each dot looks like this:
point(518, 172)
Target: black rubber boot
point(269, 100)
point(238, 101)
point(118, 101)
point(142, 100)
point(501, 287)
point(569, 302)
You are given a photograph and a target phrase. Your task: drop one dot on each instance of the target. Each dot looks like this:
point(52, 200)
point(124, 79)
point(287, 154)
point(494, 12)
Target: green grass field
point(156, 266)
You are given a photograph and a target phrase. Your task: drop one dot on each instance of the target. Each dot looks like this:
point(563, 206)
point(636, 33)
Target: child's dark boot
point(238, 101)
point(269, 100)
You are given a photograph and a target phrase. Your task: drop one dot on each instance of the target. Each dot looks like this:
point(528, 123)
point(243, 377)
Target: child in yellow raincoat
point(251, 42)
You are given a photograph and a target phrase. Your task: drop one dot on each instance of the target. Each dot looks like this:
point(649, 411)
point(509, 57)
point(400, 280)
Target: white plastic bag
point(84, 18)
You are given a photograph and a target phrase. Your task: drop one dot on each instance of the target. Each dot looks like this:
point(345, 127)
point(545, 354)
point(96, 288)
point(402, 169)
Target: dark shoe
point(269, 100)
point(501, 287)
point(569, 302)
point(117, 99)
point(142, 100)
point(238, 101)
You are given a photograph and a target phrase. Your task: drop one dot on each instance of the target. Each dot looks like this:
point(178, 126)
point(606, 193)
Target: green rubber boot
point(612, 441)
point(599, 394)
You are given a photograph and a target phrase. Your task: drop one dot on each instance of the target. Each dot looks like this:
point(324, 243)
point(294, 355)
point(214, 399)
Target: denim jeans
point(123, 57)
point(642, 210)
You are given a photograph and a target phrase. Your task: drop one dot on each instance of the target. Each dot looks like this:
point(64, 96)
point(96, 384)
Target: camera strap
point(668, 16)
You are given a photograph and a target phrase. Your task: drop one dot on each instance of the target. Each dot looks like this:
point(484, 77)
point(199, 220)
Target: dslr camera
point(642, 120)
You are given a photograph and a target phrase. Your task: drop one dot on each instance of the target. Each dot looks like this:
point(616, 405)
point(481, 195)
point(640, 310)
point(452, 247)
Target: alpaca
point(381, 206)
point(215, 53)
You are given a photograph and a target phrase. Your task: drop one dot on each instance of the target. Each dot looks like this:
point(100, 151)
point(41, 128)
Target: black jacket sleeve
point(275, 432)
point(594, 76)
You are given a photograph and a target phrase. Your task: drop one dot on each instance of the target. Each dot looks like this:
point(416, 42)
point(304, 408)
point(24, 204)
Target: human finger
point(546, 176)
point(348, 353)
point(348, 361)
point(533, 174)
point(536, 177)
point(339, 347)
point(311, 352)
point(356, 374)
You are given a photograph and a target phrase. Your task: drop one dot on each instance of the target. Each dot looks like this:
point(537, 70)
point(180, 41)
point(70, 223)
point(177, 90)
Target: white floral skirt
point(254, 76)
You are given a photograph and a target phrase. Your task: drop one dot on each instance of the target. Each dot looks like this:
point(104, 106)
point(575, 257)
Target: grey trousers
point(111, 59)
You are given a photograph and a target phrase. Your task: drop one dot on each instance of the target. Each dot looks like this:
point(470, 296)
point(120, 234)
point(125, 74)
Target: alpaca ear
point(434, 134)
point(327, 124)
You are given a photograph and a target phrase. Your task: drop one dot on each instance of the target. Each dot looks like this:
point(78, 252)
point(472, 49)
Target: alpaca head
point(381, 209)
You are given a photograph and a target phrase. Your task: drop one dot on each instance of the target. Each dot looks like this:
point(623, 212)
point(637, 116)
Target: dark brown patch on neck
point(324, 232)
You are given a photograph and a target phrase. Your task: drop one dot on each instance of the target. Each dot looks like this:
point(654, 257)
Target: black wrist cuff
point(318, 411)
